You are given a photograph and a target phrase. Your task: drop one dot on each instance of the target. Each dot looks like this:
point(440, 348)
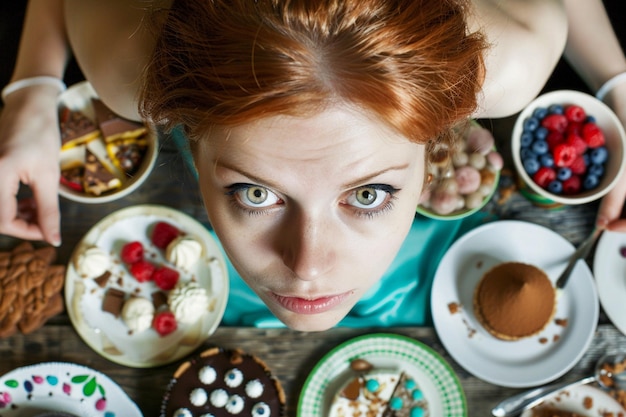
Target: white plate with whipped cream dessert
point(146, 286)
point(524, 360)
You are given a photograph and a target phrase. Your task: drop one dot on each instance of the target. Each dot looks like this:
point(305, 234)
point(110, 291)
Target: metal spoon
point(581, 253)
point(605, 374)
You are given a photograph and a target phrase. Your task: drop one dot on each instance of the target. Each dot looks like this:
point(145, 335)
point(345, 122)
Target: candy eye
point(235, 404)
point(233, 378)
point(260, 410)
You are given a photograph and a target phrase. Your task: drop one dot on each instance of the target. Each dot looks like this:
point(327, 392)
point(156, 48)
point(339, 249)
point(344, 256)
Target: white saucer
point(63, 387)
point(531, 361)
point(609, 267)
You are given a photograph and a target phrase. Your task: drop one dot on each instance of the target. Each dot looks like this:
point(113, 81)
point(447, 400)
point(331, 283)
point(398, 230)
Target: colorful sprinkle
point(372, 385)
point(395, 403)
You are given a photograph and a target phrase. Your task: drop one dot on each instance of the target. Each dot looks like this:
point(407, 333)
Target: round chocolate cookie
point(221, 383)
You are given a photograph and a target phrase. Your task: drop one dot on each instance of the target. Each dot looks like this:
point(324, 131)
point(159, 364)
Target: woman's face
point(311, 211)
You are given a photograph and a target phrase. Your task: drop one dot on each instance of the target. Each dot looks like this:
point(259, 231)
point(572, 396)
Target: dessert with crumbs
point(514, 300)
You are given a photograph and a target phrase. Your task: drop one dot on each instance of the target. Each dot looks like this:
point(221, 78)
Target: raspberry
point(564, 155)
point(593, 135)
point(571, 185)
point(165, 278)
point(575, 113)
point(578, 166)
point(164, 323)
point(577, 142)
point(553, 139)
point(142, 270)
point(544, 176)
point(163, 233)
point(131, 252)
point(555, 122)
point(575, 128)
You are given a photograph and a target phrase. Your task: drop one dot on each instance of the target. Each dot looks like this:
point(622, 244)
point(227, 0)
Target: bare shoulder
point(112, 41)
point(526, 38)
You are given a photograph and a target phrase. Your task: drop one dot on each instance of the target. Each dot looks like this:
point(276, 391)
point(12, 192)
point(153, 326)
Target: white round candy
point(219, 398)
point(254, 388)
point(182, 412)
point(198, 397)
point(207, 375)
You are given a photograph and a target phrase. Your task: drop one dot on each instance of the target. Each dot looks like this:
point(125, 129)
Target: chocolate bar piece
point(114, 127)
point(97, 178)
point(76, 128)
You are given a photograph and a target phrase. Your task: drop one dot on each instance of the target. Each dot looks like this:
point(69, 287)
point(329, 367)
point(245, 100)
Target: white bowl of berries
point(568, 148)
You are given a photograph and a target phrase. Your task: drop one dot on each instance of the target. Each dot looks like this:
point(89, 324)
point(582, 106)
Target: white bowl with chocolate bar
point(104, 157)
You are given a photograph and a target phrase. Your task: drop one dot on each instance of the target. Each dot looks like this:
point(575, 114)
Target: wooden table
point(290, 354)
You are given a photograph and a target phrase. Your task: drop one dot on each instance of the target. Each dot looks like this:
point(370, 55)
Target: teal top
point(400, 298)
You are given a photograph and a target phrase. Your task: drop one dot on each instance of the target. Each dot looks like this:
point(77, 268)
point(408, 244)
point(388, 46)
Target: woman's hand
point(612, 205)
point(29, 155)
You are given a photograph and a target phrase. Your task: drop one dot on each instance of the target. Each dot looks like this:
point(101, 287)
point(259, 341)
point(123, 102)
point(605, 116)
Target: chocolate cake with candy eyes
point(221, 383)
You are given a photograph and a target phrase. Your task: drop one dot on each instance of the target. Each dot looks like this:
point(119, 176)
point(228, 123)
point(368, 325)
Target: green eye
point(366, 196)
point(256, 195)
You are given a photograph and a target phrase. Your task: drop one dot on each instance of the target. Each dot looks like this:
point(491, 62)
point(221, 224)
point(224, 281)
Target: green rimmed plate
point(433, 374)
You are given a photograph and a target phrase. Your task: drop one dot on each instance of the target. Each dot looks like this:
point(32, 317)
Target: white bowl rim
point(554, 97)
point(86, 89)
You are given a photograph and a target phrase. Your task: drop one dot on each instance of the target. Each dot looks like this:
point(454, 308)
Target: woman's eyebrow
point(367, 178)
point(352, 184)
point(251, 177)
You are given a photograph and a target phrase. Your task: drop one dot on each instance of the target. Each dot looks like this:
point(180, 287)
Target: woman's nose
point(308, 246)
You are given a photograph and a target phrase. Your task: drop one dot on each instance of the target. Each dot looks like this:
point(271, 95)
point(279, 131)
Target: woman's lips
point(310, 306)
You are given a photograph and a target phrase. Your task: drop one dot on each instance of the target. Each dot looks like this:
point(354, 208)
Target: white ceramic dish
point(109, 336)
point(609, 267)
point(527, 362)
point(78, 97)
point(606, 120)
point(573, 400)
point(63, 387)
point(442, 390)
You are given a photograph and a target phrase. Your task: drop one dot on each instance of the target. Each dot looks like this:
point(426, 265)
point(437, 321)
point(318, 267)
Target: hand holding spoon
point(610, 372)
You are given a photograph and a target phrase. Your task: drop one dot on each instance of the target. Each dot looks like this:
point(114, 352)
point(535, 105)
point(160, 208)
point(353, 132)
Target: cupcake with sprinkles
point(221, 383)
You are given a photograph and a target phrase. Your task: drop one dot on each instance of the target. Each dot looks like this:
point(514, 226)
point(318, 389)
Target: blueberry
point(556, 109)
point(539, 147)
point(531, 165)
point(527, 153)
point(596, 169)
point(541, 133)
point(530, 124)
point(540, 112)
point(526, 139)
point(555, 187)
point(563, 173)
point(590, 181)
point(590, 119)
point(546, 160)
point(598, 155)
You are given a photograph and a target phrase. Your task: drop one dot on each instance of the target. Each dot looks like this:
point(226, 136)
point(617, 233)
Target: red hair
point(413, 64)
